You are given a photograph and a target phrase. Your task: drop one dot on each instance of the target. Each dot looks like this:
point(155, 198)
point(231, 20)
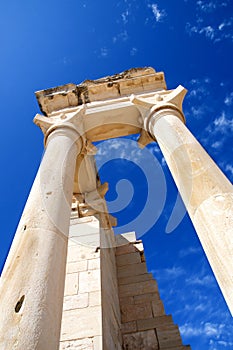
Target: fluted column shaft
point(206, 192)
point(32, 283)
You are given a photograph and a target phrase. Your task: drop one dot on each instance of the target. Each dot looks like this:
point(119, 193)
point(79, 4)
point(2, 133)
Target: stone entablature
point(136, 80)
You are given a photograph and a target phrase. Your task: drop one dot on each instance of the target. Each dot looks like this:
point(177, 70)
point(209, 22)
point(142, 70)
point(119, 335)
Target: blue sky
point(50, 43)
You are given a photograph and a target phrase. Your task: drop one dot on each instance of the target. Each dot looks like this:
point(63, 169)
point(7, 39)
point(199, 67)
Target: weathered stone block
point(80, 344)
point(81, 252)
point(71, 284)
point(126, 249)
point(126, 300)
point(135, 312)
point(127, 259)
point(135, 279)
point(76, 266)
point(78, 301)
point(140, 341)
point(168, 336)
point(129, 327)
point(89, 281)
point(143, 298)
point(94, 264)
point(81, 323)
point(151, 323)
point(158, 308)
point(137, 288)
point(131, 270)
point(95, 298)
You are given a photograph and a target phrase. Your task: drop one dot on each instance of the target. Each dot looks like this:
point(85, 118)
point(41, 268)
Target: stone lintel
point(135, 80)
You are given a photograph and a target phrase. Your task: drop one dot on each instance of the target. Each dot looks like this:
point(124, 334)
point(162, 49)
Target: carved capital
point(149, 107)
point(72, 122)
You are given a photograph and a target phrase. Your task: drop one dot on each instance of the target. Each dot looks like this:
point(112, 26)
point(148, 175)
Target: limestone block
point(89, 281)
point(125, 238)
point(126, 300)
point(95, 298)
point(127, 259)
point(135, 279)
point(141, 341)
point(151, 323)
point(135, 312)
point(143, 298)
point(93, 264)
point(78, 301)
point(134, 269)
point(79, 252)
point(129, 327)
point(158, 308)
point(81, 323)
point(80, 344)
point(125, 249)
point(138, 288)
point(71, 284)
point(168, 336)
point(98, 343)
point(76, 266)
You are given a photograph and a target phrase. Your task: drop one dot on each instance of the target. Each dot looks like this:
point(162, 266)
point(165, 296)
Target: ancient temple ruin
point(65, 235)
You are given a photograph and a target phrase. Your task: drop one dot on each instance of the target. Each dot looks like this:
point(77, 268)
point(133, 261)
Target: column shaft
point(206, 192)
point(32, 283)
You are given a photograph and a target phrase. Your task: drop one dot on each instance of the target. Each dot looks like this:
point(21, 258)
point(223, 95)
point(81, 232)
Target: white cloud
point(123, 36)
point(169, 272)
point(125, 16)
point(205, 329)
point(229, 169)
point(220, 30)
point(188, 251)
point(158, 14)
point(229, 99)
point(200, 281)
point(133, 51)
point(217, 144)
point(223, 124)
point(208, 31)
point(210, 6)
point(103, 52)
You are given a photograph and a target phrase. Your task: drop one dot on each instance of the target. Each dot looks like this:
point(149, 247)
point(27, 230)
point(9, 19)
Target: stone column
point(206, 192)
point(32, 283)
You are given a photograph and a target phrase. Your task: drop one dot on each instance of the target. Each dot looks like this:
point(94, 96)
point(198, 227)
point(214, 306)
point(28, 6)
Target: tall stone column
point(32, 283)
point(206, 192)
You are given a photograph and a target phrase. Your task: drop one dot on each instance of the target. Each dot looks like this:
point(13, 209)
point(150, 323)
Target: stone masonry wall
point(144, 323)
point(111, 302)
point(82, 309)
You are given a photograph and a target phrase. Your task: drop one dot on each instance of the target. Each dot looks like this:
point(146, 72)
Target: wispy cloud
point(200, 280)
point(169, 272)
point(223, 124)
point(133, 51)
point(158, 14)
point(229, 99)
point(216, 334)
point(122, 36)
point(103, 52)
point(215, 27)
point(210, 6)
point(188, 251)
